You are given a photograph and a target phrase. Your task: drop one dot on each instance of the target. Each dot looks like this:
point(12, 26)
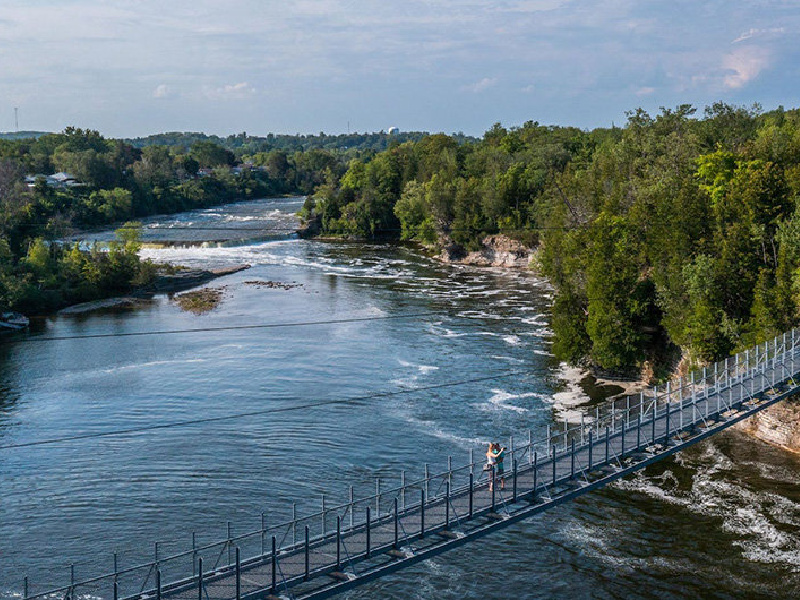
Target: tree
point(209, 155)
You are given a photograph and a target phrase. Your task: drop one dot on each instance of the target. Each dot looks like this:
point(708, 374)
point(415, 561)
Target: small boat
point(13, 320)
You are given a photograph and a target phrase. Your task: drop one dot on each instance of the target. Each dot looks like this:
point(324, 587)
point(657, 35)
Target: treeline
point(244, 144)
point(674, 233)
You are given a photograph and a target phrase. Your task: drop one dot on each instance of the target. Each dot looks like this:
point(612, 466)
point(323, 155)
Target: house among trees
point(60, 180)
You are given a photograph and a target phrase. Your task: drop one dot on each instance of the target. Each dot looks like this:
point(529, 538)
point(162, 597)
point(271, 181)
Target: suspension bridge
point(342, 546)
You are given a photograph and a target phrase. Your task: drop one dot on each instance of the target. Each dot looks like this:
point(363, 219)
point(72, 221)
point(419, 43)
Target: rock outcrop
point(778, 425)
point(496, 251)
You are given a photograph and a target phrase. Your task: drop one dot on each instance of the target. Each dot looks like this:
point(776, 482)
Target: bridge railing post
point(307, 551)
point(590, 449)
point(667, 429)
point(238, 574)
point(548, 439)
point(294, 523)
point(536, 472)
point(583, 428)
point(263, 534)
point(572, 461)
point(493, 487)
point(377, 497)
point(422, 514)
point(351, 507)
point(530, 447)
point(200, 578)
point(655, 412)
point(447, 507)
point(553, 460)
point(396, 524)
point(228, 543)
point(368, 528)
point(274, 564)
point(403, 489)
point(514, 492)
point(338, 543)
point(608, 445)
point(324, 524)
point(471, 491)
point(627, 421)
point(450, 470)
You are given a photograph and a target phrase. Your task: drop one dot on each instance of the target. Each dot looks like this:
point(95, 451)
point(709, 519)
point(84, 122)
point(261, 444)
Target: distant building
point(394, 130)
point(56, 180)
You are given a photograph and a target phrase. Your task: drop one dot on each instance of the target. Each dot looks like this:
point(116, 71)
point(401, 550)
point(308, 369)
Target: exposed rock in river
point(164, 283)
point(496, 251)
point(200, 301)
point(778, 425)
point(189, 278)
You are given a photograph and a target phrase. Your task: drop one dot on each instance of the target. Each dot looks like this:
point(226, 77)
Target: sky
point(136, 67)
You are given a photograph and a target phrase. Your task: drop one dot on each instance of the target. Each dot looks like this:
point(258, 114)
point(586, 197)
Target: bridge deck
point(323, 555)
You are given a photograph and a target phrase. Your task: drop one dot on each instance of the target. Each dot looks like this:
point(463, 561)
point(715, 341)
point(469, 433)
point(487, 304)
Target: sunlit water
point(720, 520)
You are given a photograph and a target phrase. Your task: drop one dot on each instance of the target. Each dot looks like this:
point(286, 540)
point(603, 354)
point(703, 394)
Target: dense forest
point(678, 233)
point(675, 235)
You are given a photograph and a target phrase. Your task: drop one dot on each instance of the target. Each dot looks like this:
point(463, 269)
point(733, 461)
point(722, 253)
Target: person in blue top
point(494, 458)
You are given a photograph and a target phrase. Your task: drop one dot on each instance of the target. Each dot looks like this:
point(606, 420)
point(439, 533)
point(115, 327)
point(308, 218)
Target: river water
point(719, 521)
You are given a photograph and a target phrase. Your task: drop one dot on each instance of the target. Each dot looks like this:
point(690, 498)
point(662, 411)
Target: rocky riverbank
point(496, 251)
point(778, 425)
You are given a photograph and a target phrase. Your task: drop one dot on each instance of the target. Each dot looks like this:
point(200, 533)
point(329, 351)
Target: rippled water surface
point(720, 520)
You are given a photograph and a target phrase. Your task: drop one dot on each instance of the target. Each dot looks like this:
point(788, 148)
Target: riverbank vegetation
point(676, 234)
point(99, 182)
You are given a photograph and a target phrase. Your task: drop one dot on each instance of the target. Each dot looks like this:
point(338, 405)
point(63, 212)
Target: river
point(719, 521)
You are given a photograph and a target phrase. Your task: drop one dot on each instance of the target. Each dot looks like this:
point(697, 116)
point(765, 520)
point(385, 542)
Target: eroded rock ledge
point(778, 425)
point(496, 251)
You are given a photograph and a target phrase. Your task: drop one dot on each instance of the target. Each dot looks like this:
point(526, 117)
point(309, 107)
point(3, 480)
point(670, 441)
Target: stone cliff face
point(778, 425)
point(496, 251)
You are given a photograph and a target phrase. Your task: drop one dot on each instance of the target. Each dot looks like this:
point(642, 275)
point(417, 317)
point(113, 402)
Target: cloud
point(480, 86)
point(743, 65)
point(236, 91)
point(162, 91)
point(752, 32)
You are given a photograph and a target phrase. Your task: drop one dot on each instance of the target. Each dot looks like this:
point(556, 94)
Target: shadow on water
point(598, 392)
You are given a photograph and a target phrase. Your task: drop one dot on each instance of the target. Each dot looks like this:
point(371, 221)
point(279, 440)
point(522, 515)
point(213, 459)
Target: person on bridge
point(494, 459)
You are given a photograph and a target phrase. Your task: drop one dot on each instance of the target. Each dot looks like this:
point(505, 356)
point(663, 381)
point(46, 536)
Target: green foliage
point(671, 230)
point(210, 155)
